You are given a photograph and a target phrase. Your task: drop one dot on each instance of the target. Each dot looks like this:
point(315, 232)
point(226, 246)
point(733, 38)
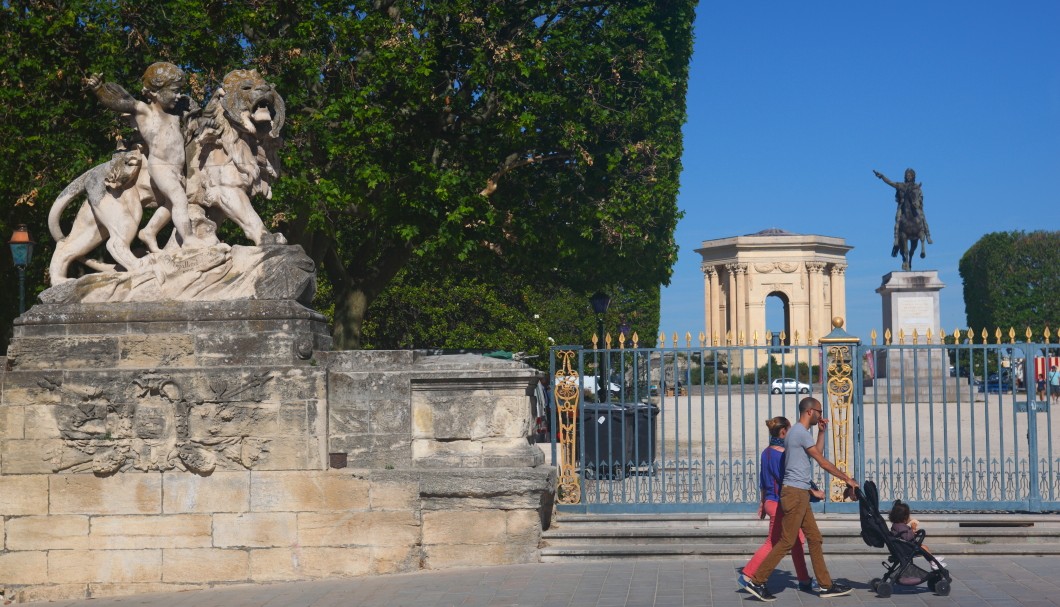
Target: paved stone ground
point(977, 581)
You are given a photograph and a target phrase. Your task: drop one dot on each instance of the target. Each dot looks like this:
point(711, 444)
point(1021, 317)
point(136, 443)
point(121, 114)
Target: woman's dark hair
point(776, 424)
point(899, 512)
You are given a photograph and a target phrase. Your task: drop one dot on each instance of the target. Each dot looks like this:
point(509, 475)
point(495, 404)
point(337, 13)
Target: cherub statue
point(159, 122)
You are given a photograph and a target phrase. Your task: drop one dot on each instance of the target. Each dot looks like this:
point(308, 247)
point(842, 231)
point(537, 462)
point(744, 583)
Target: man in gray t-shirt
point(797, 471)
point(795, 501)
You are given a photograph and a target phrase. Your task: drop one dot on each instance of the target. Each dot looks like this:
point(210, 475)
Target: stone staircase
point(677, 536)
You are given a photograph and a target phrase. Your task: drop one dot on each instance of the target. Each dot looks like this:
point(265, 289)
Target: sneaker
point(837, 589)
point(742, 581)
point(810, 585)
point(760, 591)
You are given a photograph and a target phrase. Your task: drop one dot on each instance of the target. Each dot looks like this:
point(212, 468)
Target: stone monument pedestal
point(171, 445)
point(911, 367)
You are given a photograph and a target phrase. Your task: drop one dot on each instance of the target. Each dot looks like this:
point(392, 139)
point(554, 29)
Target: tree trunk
point(350, 309)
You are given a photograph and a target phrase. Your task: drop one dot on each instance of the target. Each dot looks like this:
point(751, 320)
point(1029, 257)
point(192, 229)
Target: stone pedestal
point(193, 386)
point(910, 311)
point(164, 446)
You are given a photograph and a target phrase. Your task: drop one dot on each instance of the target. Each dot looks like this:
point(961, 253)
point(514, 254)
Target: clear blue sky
point(791, 105)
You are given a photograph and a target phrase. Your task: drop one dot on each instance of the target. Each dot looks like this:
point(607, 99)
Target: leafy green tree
point(542, 132)
point(1012, 280)
point(472, 308)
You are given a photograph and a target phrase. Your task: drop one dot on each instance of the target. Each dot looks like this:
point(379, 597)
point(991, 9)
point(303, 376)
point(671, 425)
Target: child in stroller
point(900, 566)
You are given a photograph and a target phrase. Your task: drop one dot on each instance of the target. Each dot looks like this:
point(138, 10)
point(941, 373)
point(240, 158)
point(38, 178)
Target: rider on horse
point(908, 195)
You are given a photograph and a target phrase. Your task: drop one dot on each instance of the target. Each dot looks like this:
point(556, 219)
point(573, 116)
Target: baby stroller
point(900, 566)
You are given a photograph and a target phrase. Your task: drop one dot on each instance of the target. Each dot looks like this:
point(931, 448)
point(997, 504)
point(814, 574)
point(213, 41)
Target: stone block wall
point(404, 409)
point(78, 535)
point(143, 451)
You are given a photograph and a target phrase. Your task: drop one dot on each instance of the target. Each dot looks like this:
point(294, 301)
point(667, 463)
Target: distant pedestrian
point(795, 502)
point(1041, 387)
point(1054, 383)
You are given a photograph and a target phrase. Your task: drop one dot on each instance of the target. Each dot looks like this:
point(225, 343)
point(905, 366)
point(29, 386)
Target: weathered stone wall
point(404, 409)
point(78, 535)
point(194, 386)
point(141, 451)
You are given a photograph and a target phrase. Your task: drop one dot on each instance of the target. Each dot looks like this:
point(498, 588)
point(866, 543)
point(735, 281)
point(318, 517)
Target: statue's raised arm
point(884, 178)
point(111, 95)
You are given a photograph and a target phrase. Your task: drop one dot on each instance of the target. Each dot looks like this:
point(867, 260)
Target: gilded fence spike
point(971, 337)
point(997, 335)
point(1029, 334)
point(769, 337)
point(986, 337)
point(728, 338)
point(783, 337)
point(702, 339)
point(1046, 335)
point(596, 338)
point(636, 338)
point(927, 338)
point(916, 336)
point(714, 338)
point(956, 336)
point(809, 336)
point(676, 343)
point(741, 341)
point(621, 341)
point(887, 337)
point(754, 338)
point(662, 339)
point(688, 339)
point(607, 340)
point(901, 336)
point(873, 336)
point(1011, 335)
point(796, 340)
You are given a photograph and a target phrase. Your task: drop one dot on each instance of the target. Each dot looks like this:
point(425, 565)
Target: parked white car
point(788, 386)
point(589, 385)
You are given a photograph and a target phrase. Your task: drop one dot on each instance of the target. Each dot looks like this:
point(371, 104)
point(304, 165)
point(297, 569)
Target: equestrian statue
point(910, 225)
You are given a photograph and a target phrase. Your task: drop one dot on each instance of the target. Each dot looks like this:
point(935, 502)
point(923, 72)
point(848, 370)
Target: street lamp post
point(21, 252)
point(600, 302)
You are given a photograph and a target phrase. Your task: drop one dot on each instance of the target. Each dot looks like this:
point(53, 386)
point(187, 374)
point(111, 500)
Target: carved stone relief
point(154, 432)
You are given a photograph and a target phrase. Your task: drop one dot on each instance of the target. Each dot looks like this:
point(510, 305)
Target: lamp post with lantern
point(21, 252)
point(600, 301)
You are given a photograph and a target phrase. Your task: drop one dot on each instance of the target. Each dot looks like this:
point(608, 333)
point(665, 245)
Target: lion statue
point(232, 156)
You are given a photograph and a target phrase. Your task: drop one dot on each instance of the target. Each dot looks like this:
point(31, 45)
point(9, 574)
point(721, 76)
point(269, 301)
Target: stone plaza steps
point(664, 536)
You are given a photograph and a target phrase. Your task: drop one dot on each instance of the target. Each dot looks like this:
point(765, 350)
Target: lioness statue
point(117, 192)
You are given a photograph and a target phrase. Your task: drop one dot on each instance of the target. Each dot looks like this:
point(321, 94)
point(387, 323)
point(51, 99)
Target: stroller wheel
point(942, 587)
point(874, 583)
point(883, 590)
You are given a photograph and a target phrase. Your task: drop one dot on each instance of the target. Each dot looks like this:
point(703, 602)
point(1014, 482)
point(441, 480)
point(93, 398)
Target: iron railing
point(956, 423)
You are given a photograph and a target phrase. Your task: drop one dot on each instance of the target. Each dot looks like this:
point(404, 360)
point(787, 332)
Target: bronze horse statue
point(910, 225)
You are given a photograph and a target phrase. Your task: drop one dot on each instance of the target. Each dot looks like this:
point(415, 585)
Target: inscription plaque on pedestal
point(910, 312)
